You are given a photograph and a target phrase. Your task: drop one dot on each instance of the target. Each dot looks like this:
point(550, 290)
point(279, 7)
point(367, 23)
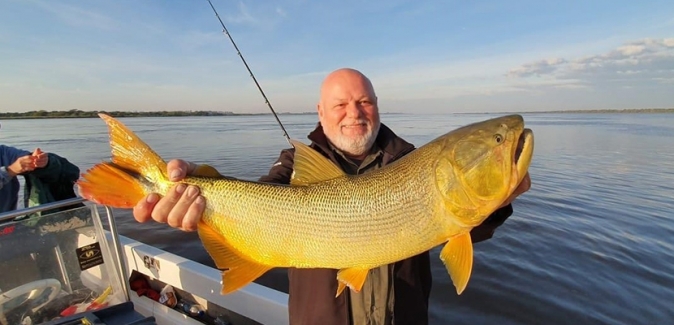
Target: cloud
point(243, 16)
point(281, 12)
point(537, 68)
point(75, 16)
point(642, 60)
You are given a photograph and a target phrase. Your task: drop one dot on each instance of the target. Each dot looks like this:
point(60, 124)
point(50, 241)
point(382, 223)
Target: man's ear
point(319, 109)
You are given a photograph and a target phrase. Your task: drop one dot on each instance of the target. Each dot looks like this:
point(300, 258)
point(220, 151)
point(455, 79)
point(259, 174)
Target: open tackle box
point(59, 266)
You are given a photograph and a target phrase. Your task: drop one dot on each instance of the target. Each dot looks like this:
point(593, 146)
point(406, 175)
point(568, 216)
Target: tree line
point(76, 113)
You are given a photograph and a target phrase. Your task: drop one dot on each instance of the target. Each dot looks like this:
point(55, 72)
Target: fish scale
point(357, 237)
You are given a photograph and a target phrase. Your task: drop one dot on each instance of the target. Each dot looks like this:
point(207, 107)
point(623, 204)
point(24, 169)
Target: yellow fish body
point(327, 219)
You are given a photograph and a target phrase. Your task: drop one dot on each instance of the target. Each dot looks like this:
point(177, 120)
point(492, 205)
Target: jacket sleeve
point(486, 230)
point(282, 169)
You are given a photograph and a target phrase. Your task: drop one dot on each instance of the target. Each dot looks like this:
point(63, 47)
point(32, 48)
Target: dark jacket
point(52, 183)
point(312, 291)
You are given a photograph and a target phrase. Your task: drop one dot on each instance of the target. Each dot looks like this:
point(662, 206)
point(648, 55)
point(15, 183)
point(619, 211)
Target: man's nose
point(354, 110)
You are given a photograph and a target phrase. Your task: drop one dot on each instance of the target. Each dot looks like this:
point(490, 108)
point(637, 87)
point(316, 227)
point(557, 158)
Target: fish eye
point(498, 138)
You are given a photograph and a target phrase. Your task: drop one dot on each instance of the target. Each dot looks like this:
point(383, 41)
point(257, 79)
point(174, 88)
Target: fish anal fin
point(340, 287)
point(310, 167)
point(130, 152)
point(351, 277)
point(457, 255)
point(109, 185)
point(238, 271)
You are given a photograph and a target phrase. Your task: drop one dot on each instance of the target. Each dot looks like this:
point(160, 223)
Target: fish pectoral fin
point(351, 277)
point(457, 255)
point(238, 271)
point(310, 167)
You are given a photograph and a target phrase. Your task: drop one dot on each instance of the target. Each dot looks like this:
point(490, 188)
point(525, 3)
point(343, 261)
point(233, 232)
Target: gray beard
point(356, 146)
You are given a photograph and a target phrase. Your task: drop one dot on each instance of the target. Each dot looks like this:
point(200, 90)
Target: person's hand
point(21, 165)
point(40, 159)
point(524, 186)
point(181, 207)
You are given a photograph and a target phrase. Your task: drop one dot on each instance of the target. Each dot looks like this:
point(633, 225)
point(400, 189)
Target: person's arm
point(486, 229)
point(17, 160)
point(281, 170)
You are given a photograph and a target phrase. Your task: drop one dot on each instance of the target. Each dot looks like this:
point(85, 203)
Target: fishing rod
point(226, 32)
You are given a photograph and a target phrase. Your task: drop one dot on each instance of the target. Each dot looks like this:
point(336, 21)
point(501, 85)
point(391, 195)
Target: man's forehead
point(347, 91)
point(348, 97)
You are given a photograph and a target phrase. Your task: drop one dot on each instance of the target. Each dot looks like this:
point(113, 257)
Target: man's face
point(348, 112)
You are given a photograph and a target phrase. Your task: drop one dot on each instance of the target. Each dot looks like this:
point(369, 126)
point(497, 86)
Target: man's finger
point(177, 169)
point(177, 214)
point(194, 213)
point(161, 210)
point(142, 212)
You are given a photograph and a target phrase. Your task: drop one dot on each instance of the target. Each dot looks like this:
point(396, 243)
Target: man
point(351, 135)
point(13, 162)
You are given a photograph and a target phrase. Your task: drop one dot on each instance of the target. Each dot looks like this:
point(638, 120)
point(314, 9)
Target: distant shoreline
point(94, 114)
point(591, 111)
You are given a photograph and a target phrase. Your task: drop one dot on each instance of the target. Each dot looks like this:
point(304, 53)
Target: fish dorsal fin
point(310, 167)
point(238, 270)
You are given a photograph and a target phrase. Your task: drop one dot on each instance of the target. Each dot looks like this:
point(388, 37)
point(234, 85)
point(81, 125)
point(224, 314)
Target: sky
point(421, 56)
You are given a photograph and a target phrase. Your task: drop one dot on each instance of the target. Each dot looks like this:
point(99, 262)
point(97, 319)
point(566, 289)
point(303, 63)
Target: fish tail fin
point(134, 168)
point(130, 152)
point(109, 185)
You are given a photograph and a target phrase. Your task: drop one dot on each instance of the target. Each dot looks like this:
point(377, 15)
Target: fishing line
point(226, 32)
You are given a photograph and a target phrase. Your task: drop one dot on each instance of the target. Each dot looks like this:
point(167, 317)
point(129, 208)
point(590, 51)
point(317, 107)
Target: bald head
point(344, 77)
point(348, 111)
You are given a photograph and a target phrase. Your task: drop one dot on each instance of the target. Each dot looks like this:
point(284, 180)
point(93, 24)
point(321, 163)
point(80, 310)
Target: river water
point(592, 242)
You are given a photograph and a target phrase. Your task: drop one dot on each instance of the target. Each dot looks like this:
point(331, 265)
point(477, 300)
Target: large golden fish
point(327, 219)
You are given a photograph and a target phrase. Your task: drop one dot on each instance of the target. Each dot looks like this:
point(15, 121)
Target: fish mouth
point(520, 146)
point(523, 152)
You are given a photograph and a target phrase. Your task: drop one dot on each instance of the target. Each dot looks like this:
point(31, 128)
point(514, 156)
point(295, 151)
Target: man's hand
point(40, 159)
point(524, 186)
point(182, 207)
point(21, 165)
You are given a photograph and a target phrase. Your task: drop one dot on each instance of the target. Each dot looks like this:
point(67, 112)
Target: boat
point(62, 263)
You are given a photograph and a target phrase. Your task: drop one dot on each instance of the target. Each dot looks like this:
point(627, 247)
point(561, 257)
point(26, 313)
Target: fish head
point(481, 165)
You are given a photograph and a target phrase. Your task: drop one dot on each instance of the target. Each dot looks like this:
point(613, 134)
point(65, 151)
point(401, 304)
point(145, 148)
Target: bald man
point(350, 134)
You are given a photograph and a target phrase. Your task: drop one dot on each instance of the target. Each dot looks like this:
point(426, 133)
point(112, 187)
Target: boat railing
point(11, 215)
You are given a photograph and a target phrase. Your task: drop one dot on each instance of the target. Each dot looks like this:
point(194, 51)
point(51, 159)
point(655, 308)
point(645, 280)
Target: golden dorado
point(327, 219)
